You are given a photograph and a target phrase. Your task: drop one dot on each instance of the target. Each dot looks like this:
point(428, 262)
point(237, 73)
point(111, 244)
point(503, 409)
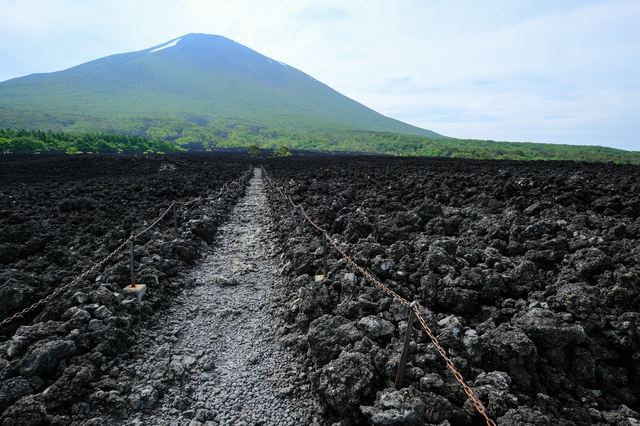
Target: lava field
point(61, 215)
point(528, 274)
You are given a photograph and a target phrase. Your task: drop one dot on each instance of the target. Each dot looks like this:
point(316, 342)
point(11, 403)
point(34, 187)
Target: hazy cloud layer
point(544, 71)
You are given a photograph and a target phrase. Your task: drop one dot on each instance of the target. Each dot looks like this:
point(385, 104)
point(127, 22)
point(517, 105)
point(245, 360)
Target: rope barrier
point(113, 253)
point(413, 306)
point(63, 288)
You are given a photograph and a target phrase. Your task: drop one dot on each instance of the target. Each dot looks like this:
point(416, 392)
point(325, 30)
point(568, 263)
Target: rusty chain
point(451, 367)
point(416, 308)
point(63, 288)
point(173, 203)
point(113, 253)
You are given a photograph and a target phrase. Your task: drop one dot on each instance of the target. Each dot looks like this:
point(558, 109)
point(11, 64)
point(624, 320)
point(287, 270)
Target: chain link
point(113, 253)
point(478, 405)
point(456, 374)
point(63, 288)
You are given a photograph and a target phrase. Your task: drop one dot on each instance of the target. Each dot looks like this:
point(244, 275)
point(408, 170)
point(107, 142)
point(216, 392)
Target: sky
point(507, 70)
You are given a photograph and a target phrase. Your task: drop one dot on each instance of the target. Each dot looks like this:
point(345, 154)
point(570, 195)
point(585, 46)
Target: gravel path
point(215, 359)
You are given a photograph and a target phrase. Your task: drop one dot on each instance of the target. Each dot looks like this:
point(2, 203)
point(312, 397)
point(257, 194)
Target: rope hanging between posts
point(414, 307)
point(129, 241)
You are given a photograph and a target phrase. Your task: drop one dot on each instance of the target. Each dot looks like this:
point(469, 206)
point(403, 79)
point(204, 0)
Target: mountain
point(196, 77)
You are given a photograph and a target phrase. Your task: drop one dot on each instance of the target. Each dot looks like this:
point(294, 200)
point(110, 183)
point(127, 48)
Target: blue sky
point(516, 70)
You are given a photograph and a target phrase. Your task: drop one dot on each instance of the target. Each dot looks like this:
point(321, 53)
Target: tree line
point(39, 141)
point(171, 134)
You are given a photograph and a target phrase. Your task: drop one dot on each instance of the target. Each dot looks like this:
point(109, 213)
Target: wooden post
point(287, 206)
point(324, 257)
point(301, 220)
point(405, 348)
point(133, 271)
point(175, 219)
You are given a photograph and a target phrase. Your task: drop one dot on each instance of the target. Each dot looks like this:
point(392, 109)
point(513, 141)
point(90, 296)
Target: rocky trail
point(214, 358)
point(528, 273)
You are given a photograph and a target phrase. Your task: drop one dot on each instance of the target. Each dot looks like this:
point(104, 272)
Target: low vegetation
point(72, 143)
point(75, 133)
point(282, 151)
point(253, 150)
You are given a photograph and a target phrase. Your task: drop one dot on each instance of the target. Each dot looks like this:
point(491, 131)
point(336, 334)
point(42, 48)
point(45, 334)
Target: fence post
point(324, 257)
point(137, 290)
point(301, 221)
point(405, 348)
point(175, 219)
point(133, 271)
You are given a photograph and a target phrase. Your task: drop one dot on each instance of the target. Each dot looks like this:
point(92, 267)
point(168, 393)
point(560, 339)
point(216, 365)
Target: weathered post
point(138, 290)
point(175, 219)
point(324, 256)
point(405, 348)
point(301, 220)
point(133, 270)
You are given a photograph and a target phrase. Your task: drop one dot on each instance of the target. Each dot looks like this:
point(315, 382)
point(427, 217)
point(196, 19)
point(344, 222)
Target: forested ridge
point(165, 136)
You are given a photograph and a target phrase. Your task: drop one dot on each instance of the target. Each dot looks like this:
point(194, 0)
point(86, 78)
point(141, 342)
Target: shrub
point(282, 151)
point(253, 150)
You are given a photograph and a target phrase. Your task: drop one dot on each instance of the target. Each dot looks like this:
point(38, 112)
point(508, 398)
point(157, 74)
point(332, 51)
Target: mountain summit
point(197, 75)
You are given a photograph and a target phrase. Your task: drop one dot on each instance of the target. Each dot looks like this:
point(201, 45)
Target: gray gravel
point(215, 359)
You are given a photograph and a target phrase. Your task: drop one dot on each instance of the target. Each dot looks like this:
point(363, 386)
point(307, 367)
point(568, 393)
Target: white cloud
point(543, 71)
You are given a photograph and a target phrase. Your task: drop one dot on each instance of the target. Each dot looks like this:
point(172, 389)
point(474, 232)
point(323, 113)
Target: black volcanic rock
point(62, 345)
point(43, 357)
point(531, 276)
point(545, 327)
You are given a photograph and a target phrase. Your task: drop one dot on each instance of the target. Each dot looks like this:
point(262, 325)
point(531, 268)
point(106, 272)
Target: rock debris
point(216, 359)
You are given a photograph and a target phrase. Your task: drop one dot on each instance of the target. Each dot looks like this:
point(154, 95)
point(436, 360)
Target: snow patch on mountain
point(171, 44)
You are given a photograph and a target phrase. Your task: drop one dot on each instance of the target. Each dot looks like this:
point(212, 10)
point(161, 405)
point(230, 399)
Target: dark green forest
point(198, 138)
point(72, 143)
point(77, 133)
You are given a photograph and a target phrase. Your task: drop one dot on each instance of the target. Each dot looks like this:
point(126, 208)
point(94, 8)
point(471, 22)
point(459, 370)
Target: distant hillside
point(197, 138)
point(196, 77)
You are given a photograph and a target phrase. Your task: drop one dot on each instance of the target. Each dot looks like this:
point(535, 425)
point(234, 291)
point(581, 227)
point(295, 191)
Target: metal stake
point(301, 221)
point(133, 271)
point(405, 348)
point(175, 219)
point(324, 259)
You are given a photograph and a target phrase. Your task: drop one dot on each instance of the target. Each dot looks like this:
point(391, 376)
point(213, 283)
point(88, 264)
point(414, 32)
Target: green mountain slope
point(203, 76)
